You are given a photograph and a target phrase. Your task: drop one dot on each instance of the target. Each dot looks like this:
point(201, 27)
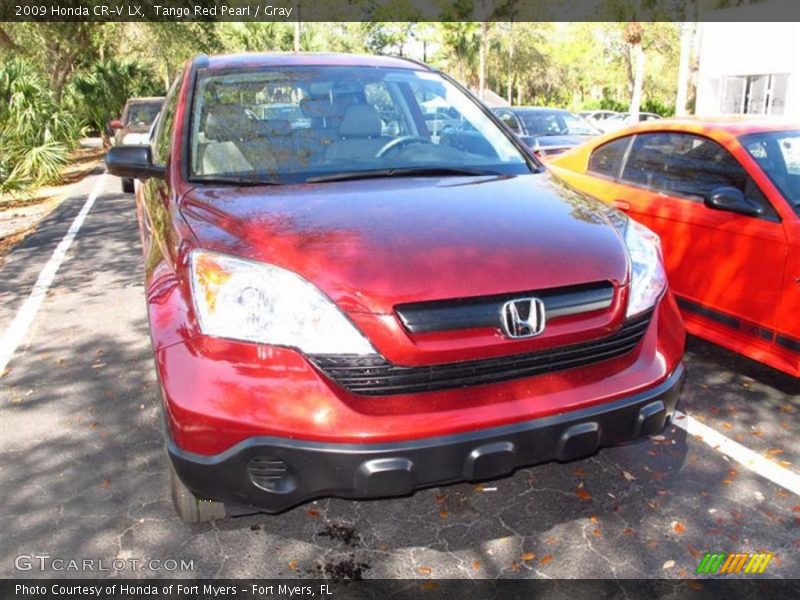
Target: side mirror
point(115, 124)
point(132, 162)
point(732, 199)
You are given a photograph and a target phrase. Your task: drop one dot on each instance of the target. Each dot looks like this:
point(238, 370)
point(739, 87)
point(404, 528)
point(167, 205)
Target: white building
point(749, 67)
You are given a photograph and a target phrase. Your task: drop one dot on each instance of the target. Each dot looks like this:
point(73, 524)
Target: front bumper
point(290, 471)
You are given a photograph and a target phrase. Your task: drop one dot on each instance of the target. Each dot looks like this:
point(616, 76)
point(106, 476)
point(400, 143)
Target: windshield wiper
point(242, 180)
point(400, 172)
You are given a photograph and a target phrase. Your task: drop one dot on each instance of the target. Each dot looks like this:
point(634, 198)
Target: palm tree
point(35, 134)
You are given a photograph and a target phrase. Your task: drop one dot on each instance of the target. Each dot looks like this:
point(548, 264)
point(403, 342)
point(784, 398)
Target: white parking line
point(788, 480)
point(15, 333)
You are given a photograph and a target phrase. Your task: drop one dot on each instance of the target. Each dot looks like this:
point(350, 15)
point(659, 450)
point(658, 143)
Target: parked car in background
point(342, 311)
point(725, 199)
point(596, 116)
point(133, 127)
point(547, 131)
point(620, 120)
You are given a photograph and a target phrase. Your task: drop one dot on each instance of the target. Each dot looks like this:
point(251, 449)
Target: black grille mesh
point(375, 376)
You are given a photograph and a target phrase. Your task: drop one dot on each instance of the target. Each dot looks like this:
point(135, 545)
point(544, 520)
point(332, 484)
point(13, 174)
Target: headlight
point(257, 302)
point(648, 279)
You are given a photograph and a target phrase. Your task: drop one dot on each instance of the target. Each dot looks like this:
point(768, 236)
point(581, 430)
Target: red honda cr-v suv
point(346, 302)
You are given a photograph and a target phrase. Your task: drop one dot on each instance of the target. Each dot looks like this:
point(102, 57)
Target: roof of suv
point(281, 59)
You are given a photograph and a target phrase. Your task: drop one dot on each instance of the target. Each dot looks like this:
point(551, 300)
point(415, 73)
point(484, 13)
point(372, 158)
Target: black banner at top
point(397, 10)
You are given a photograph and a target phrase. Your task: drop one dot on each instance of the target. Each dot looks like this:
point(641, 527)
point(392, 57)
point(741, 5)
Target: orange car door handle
point(622, 204)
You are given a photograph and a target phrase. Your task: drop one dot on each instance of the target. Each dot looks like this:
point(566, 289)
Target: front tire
point(127, 186)
point(189, 507)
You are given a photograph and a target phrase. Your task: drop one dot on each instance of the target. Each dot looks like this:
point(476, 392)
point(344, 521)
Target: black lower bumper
point(273, 474)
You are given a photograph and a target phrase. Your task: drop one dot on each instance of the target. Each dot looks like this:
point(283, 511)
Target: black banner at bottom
point(401, 589)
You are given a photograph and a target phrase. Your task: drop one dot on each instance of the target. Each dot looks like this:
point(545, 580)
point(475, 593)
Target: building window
point(754, 94)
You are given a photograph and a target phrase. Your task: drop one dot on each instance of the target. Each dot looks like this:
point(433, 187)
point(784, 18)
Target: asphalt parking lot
point(83, 471)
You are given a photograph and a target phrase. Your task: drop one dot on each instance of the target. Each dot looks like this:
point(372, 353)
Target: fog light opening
point(271, 474)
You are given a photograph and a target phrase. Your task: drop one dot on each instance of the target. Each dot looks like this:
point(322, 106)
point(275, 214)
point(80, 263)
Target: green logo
point(725, 563)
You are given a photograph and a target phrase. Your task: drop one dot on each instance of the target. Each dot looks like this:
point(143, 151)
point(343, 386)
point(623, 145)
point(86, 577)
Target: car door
point(777, 155)
point(722, 265)
point(788, 327)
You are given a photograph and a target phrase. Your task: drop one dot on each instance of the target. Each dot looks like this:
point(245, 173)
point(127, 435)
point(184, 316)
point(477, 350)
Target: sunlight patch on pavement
point(749, 459)
point(15, 333)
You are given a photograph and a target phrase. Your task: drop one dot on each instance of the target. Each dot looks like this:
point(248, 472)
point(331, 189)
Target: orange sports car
point(725, 198)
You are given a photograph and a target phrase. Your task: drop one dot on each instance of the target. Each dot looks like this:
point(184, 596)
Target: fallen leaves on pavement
point(582, 493)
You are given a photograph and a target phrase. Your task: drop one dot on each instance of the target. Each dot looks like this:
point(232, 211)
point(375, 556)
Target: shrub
point(605, 103)
point(653, 105)
point(36, 135)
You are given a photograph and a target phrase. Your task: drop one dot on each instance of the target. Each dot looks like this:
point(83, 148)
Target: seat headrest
point(226, 122)
point(361, 120)
point(343, 101)
point(269, 128)
point(315, 107)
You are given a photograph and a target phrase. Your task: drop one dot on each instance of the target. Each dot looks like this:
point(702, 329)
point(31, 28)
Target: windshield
point(778, 155)
point(556, 123)
point(298, 124)
point(143, 113)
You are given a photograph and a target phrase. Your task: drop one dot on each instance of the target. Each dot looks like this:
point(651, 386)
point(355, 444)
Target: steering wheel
point(396, 143)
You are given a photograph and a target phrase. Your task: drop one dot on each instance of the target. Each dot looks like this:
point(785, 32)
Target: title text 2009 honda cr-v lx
point(345, 301)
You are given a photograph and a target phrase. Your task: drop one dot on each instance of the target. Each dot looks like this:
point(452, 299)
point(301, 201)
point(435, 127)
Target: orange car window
point(778, 155)
point(607, 159)
point(687, 165)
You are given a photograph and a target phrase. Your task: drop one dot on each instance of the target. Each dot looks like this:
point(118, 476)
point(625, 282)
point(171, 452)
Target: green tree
point(59, 48)
point(256, 36)
point(391, 26)
point(387, 38)
point(460, 48)
point(170, 44)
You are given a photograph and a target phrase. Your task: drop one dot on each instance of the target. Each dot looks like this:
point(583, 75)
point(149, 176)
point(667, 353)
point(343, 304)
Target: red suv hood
point(373, 244)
